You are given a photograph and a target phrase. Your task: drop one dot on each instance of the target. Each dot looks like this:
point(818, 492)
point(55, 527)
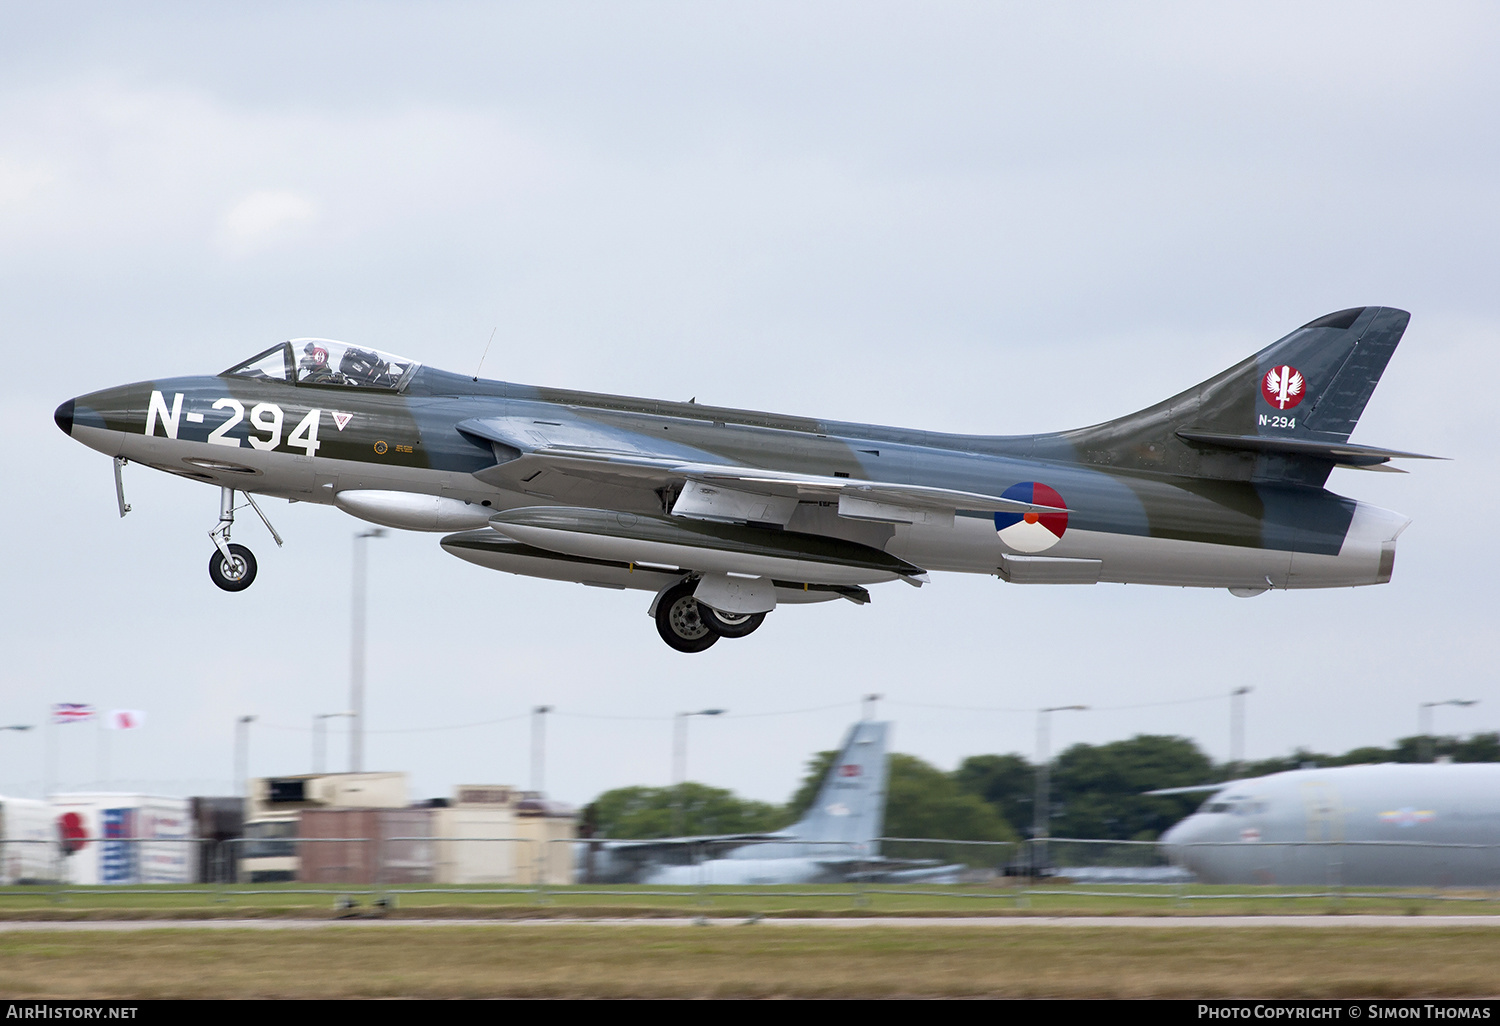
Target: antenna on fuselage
point(486, 352)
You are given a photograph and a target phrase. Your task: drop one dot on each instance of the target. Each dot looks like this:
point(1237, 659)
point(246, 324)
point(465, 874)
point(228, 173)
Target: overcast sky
point(970, 217)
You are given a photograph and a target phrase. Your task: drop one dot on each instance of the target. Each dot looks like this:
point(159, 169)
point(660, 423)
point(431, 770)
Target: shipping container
point(125, 838)
point(27, 850)
point(365, 846)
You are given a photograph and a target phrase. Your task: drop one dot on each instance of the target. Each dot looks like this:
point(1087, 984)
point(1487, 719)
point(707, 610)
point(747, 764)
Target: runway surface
point(895, 922)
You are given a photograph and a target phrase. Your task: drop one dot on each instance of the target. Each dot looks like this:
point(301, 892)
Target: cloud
point(264, 220)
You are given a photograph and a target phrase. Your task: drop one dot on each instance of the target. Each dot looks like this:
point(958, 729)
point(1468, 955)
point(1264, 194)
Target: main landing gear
point(232, 567)
point(689, 626)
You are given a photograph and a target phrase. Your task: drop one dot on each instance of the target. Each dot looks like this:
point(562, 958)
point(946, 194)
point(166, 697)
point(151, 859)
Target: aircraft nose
point(64, 417)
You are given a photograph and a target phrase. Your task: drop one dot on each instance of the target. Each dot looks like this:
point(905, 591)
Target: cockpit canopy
point(322, 361)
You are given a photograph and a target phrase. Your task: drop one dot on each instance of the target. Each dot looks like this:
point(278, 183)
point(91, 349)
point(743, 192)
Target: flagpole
point(101, 755)
point(48, 759)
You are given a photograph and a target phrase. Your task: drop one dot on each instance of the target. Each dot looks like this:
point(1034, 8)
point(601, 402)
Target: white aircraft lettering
point(157, 407)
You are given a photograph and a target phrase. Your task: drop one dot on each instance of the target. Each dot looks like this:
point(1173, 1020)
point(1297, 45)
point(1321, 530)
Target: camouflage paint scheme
point(1218, 486)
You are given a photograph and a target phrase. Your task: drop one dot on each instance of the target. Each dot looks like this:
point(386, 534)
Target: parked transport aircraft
point(834, 841)
point(726, 514)
point(1391, 824)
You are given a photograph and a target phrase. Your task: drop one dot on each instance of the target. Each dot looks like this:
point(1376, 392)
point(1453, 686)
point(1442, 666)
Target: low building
point(270, 849)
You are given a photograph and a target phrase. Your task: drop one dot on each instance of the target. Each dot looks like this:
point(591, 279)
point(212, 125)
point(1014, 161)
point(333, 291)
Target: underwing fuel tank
point(633, 538)
point(497, 552)
point(412, 511)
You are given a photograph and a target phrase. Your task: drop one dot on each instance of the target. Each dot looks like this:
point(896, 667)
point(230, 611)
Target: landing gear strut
point(232, 567)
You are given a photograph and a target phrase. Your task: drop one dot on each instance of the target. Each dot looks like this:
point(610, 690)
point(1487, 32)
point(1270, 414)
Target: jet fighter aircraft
point(723, 515)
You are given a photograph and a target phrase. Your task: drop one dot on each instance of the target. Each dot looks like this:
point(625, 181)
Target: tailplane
point(850, 806)
point(1284, 414)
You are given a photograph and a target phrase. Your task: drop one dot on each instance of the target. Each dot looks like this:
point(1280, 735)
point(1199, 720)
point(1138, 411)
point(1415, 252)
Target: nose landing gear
point(234, 572)
point(232, 567)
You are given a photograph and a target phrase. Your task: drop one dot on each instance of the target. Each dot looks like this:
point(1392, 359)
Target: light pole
point(357, 655)
point(869, 703)
point(679, 762)
point(1042, 814)
point(1424, 722)
point(1237, 729)
point(320, 738)
point(242, 755)
point(20, 726)
point(538, 747)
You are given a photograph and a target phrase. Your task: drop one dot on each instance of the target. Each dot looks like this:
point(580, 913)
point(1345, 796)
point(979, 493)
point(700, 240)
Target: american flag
point(71, 712)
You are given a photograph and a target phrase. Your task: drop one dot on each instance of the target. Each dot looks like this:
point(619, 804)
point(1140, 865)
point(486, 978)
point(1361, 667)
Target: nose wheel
point(232, 567)
point(234, 572)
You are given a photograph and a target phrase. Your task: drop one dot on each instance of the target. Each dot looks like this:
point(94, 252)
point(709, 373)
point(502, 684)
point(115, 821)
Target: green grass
point(821, 900)
point(580, 960)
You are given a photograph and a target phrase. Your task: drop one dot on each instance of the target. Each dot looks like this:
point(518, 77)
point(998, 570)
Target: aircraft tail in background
point(850, 806)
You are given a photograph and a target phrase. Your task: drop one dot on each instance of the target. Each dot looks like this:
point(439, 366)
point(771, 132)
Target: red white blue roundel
point(1032, 532)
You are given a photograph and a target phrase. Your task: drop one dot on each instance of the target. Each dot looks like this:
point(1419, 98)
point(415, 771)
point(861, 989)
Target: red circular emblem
point(72, 831)
point(1283, 387)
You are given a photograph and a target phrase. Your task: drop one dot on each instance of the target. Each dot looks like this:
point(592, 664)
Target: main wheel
point(730, 625)
point(234, 574)
point(680, 623)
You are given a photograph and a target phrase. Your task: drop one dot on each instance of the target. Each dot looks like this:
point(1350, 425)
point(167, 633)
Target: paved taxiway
point(998, 922)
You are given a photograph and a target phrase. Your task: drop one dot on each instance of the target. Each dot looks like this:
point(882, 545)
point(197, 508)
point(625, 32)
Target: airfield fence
point(1008, 872)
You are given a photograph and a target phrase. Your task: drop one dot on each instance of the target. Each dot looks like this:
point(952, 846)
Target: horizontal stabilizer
point(1345, 453)
point(1283, 415)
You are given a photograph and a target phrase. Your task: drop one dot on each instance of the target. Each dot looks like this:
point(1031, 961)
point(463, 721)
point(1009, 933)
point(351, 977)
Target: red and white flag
point(124, 719)
point(71, 712)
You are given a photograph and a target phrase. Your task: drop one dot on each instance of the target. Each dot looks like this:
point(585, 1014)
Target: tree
point(649, 812)
point(1007, 782)
point(923, 801)
point(1098, 790)
point(812, 780)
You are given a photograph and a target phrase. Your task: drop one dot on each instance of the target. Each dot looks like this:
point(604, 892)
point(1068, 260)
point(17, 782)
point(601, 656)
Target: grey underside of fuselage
point(1143, 528)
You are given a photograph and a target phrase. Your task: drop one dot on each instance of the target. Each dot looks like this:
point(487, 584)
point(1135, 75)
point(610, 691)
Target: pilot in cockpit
point(313, 366)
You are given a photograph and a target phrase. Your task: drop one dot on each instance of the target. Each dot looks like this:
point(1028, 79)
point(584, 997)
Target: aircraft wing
point(529, 450)
point(683, 850)
point(1194, 789)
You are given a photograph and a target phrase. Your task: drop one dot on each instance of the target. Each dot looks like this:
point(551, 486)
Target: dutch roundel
point(1032, 532)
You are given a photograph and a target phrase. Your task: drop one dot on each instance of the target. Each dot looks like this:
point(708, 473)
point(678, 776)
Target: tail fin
point(851, 803)
point(1285, 413)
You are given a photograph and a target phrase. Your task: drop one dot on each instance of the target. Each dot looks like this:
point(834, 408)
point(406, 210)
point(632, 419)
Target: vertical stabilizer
point(1283, 414)
point(850, 806)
